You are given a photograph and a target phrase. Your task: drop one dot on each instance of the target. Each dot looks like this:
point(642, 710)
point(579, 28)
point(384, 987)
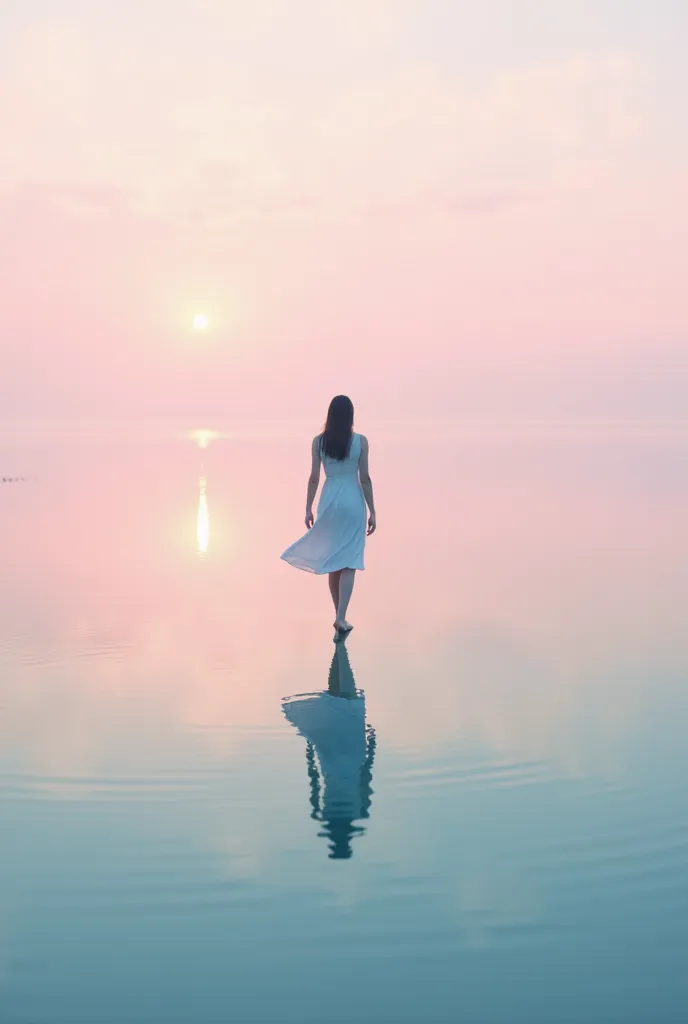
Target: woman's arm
point(367, 484)
point(313, 481)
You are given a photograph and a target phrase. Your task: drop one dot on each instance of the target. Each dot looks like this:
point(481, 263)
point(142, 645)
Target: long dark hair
point(335, 439)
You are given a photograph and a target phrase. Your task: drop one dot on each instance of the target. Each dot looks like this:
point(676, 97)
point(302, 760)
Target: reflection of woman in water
point(339, 754)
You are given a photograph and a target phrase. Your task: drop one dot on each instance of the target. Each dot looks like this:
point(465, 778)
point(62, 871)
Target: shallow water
point(479, 814)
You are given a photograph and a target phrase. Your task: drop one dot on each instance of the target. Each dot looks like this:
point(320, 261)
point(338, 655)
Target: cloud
point(338, 23)
point(246, 22)
point(543, 126)
point(243, 140)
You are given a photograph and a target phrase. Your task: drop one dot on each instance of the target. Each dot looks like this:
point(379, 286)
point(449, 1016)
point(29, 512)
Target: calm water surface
point(476, 811)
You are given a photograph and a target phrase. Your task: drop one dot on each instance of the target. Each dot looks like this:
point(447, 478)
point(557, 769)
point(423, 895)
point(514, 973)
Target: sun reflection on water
point(203, 520)
point(203, 438)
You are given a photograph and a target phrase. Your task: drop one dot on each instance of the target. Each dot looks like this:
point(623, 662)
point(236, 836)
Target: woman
point(335, 541)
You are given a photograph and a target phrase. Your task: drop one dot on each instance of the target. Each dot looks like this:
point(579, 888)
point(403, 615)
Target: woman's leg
point(346, 585)
point(333, 579)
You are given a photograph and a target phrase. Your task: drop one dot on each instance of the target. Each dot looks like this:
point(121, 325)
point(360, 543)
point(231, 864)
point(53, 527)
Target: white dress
point(337, 538)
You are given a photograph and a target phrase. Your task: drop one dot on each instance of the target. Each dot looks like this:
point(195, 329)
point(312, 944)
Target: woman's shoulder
point(363, 439)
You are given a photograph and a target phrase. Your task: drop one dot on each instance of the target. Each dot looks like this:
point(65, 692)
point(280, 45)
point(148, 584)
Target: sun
point(200, 322)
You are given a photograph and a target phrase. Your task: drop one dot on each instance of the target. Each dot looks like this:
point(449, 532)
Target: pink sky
point(432, 205)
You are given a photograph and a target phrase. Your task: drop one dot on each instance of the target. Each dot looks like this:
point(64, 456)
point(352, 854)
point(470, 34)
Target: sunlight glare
point(200, 322)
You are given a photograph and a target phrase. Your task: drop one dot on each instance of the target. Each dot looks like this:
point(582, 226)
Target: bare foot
point(342, 626)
